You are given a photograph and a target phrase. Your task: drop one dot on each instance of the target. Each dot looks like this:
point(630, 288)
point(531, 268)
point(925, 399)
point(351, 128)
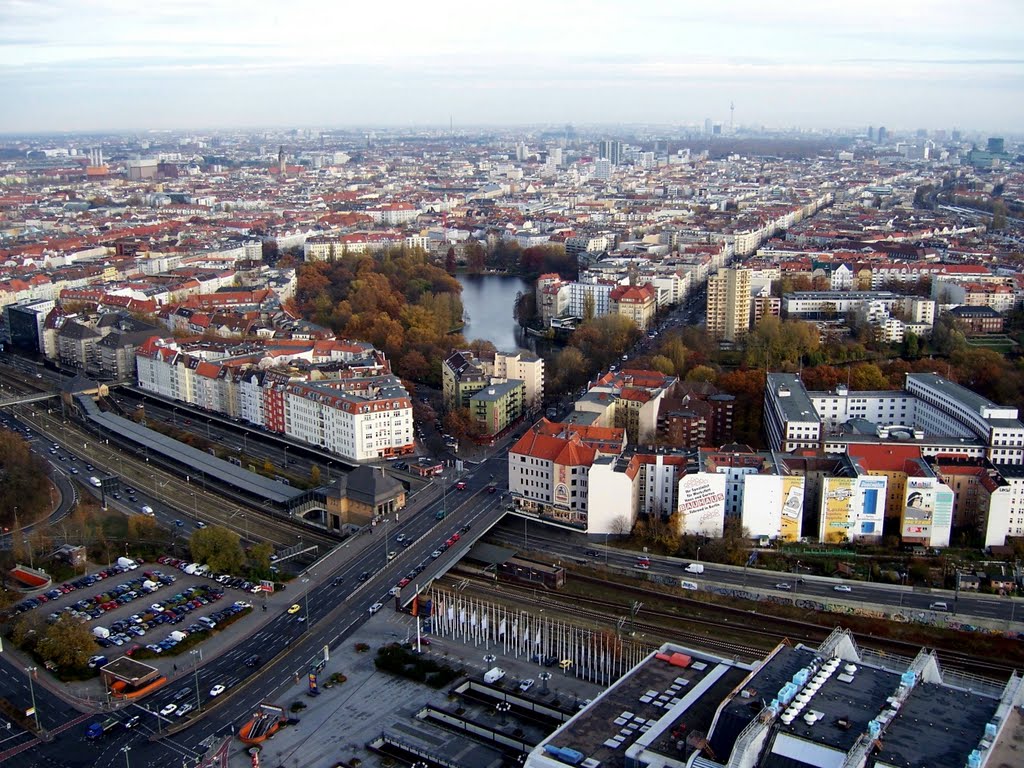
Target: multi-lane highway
point(575, 546)
point(333, 604)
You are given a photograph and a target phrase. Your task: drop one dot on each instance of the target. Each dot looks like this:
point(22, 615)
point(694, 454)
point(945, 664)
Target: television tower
point(732, 110)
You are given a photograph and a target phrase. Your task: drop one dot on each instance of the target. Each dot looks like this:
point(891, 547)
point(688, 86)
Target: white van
point(694, 568)
point(939, 606)
point(95, 481)
point(147, 510)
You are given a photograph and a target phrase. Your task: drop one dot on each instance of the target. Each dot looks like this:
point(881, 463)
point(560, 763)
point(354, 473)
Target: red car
point(403, 583)
point(460, 486)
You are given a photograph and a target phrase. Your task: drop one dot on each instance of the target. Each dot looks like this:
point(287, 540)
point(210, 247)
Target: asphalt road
point(336, 603)
point(964, 606)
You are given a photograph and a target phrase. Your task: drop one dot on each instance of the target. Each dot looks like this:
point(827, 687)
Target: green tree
point(702, 373)
point(67, 643)
point(662, 364)
point(998, 215)
point(911, 345)
point(948, 335)
point(218, 547)
point(588, 307)
point(259, 557)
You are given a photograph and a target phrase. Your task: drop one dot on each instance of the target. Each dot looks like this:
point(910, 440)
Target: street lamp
point(126, 750)
point(698, 554)
point(32, 692)
point(197, 656)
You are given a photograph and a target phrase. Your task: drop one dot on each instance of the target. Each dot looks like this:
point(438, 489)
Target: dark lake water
point(488, 301)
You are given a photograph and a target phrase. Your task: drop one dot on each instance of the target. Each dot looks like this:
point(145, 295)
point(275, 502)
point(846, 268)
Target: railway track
point(192, 499)
point(670, 625)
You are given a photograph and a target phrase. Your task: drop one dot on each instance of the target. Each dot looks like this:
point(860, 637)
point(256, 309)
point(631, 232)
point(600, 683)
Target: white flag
point(501, 628)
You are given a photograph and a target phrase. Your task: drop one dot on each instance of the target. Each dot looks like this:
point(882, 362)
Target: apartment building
point(728, 307)
point(549, 468)
point(526, 367)
point(358, 417)
point(637, 302)
point(497, 406)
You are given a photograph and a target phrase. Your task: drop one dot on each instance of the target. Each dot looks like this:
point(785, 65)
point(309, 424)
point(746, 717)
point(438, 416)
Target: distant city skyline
point(111, 64)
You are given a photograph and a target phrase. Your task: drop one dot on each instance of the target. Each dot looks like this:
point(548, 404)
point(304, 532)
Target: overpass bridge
point(7, 402)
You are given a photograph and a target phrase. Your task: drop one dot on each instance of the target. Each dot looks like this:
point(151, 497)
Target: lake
point(488, 301)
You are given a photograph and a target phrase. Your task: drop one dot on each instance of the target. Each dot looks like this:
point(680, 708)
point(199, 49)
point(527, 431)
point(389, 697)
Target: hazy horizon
point(111, 65)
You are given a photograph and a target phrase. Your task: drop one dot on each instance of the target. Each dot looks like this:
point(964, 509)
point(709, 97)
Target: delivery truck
point(494, 675)
point(694, 568)
point(96, 730)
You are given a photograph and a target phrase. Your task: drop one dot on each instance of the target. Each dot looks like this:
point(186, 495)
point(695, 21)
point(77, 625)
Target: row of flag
point(595, 655)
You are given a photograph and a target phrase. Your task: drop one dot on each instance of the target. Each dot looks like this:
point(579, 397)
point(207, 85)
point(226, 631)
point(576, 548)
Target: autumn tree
point(142, 528)
point(748, 388)
point(218, 547)
point(476, 257)
point(662, 364)
point(23, 481)
point(570, 370)
point(702, 373)
point(449, 260)
point(459, 423)
point(867, 376)
point(67, 642)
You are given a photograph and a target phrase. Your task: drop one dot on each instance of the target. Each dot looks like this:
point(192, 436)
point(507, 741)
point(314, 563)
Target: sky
point(84, 65)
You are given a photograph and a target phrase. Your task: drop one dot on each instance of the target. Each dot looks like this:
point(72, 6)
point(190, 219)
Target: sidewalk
point(337, 724)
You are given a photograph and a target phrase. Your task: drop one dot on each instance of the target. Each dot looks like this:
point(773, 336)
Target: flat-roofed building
point(830, 706)
point(728, 304)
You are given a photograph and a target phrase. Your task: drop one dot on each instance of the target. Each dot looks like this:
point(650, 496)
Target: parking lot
point(133, 606)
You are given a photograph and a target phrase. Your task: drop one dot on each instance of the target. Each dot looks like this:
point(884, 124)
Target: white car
point(526, 685)
point(842, 588)
point(785, 585)
point(394, 591)
point(217, 690)
point(169, 709)
point(435, 554)
point(375, 607)
point(400, 538)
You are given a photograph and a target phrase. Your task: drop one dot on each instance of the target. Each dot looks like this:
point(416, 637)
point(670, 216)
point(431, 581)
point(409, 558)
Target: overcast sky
point(109, 64)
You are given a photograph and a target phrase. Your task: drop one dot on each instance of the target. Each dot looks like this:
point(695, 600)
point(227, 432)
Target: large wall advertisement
point(792, 512)
point(702, 504)
point(927, 512)
point(851, 508)
point(773, 506)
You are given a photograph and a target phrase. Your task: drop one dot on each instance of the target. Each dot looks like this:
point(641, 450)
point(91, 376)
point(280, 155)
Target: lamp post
point(197, 656)
point(32, 693)
point(698, 554)
point(126, 750)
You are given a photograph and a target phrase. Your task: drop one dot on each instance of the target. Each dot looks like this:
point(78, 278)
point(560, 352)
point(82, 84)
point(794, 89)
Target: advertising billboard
point(702, 504)
point(927, 512)
point(792, 511)
point(851, 508)
point(773, 506)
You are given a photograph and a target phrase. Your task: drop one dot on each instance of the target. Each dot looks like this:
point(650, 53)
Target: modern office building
point(930, 411)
